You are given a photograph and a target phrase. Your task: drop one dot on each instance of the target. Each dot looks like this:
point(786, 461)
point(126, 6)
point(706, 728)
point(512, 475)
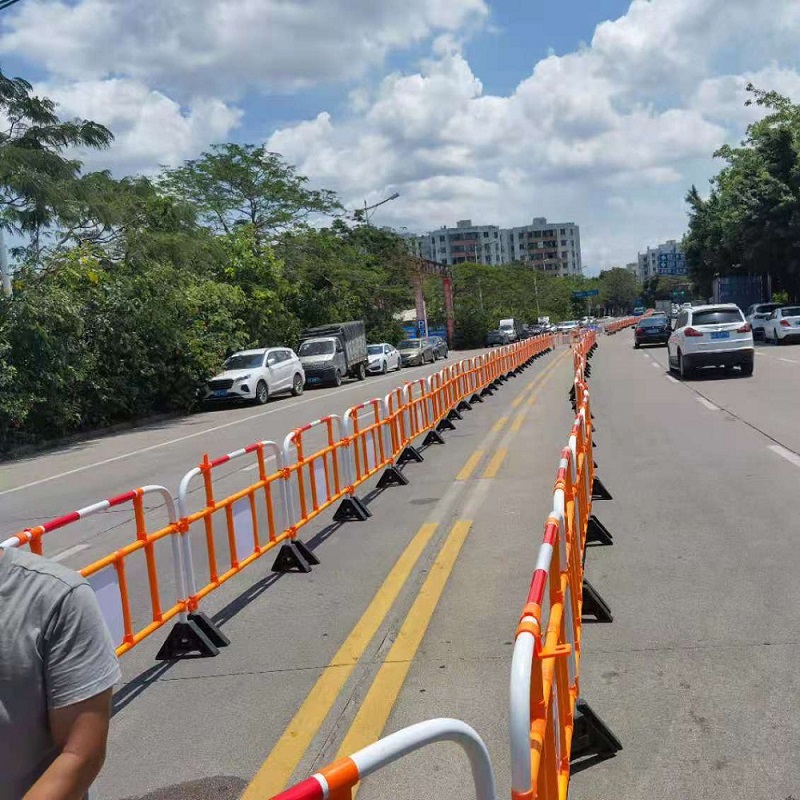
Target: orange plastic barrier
point(549, 722)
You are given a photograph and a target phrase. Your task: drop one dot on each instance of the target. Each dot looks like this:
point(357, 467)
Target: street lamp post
point(362, 214)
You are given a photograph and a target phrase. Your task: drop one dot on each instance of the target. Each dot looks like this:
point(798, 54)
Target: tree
point(234, 184)
point(619, 288)
point(37, 181)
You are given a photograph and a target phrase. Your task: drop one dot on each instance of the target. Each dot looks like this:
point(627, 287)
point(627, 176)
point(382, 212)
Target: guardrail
point(236, 530)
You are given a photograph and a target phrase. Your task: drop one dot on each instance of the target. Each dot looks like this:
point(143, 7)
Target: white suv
point(256, 375)
point(711, 336)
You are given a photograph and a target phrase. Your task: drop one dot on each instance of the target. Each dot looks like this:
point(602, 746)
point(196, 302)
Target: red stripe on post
point(309, 789)
point(60, 522)
point(218, 461)
point(550, 533)
point(538, 582)
point(121, 498)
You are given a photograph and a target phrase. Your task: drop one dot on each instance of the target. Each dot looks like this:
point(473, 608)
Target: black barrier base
point(351, 509)
point(454, 413)
point(410, 454)
point(445, 424)
point(498, 382)
point(307, 554)
point(510, 375)
point(597, 532)
point(392, 477)
point(590, 735)
point(594, 605)
point(290, 559)
point(198, 637)
point(433, 437)
point(572, 394)
point(594, 443)
point(464, 406)
point(476, 398)
point(599, 491)
point(487, 391)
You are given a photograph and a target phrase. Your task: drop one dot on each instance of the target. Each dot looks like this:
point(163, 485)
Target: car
point(638, 311)
point(652, 330)
point(382, 358)
point(257, 375)
point(535, 330)
point(496, 338)
point(415, 352)
point(783, 325)
point(440, 348)
point(567, 325)
point(757, 315)
point(711, 336)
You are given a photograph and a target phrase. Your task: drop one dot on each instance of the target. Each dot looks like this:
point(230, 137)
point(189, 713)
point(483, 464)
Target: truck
point(744, 290)
point(513, 327)
point(330, 353)
point(665, 306)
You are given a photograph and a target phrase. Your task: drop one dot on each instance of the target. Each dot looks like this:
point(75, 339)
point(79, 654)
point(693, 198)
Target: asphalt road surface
point(411, 615)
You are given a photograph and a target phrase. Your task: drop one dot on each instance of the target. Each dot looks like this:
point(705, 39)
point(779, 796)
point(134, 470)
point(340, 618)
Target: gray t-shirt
point(55, 650)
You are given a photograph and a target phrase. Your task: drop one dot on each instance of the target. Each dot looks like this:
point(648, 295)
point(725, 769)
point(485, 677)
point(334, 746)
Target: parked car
point(783, 325)
point(567, 325)
point(382, 358)
point(652, 330)
point(257, 375)
point(757, 315)
point(711, 336)
point(535, 330)
point(440, 348)
point(638, 311)
point(496, 338)
point(414, 352)
point(332, 352)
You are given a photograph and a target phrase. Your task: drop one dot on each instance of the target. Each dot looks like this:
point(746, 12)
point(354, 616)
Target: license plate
point(721, 335)
point(315, 380)
point(220, 393)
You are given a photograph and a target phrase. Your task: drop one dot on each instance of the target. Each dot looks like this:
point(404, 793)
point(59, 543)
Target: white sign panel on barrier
point(105, 585)
point(243, 528)
point(319, 480)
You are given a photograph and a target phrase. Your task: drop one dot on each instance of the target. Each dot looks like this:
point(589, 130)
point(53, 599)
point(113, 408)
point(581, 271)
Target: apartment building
point(663, 259)
point(548, 246)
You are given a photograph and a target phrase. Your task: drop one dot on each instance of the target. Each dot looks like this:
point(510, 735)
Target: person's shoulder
point(39, 568)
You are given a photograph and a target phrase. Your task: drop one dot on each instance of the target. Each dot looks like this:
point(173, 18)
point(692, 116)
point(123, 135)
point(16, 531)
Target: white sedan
point(783, 325)
point(382, 358)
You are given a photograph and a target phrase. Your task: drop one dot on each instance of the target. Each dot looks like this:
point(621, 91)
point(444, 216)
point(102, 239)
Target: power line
point(4, 4)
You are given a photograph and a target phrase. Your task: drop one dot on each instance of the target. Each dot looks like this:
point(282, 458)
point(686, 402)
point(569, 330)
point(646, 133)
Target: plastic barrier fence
point(109, 575)
point(318, 465)
point(338, 780)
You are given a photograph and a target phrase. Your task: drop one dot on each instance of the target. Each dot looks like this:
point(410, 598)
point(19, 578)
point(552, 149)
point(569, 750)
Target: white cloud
point(225, 46)
point(150, 129)
point(609, 136)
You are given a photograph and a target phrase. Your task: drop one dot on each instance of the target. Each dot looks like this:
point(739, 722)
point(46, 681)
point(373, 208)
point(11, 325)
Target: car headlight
point(243, 378)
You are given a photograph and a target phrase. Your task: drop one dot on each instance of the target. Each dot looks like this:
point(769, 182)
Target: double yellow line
point(371, 718)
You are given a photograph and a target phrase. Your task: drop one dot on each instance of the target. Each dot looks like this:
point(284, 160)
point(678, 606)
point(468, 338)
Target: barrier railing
point(545, 702)
point(247, 523)
point(338, 780)
point(108, 576)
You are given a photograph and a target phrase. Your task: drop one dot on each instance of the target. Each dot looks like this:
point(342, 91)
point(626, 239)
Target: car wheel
point(262, 393)
point(384, 368)
point(399, 365)
point(297, 385)
point(447, 354)
point(337, 381)
point(362, 372)
point(636, 345)
point(747, 368)
point(683, 368)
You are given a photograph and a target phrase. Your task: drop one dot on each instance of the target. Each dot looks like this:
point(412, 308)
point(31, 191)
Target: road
point(411, 614)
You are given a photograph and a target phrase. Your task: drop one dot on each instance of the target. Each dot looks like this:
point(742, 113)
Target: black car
point(495, 338)
point(652, 330)
point(440, 348)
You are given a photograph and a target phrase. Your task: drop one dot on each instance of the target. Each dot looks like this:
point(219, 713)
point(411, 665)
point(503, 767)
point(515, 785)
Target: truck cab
point(331, 353)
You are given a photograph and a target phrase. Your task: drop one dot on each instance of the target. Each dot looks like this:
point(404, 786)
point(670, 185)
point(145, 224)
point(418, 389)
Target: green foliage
point(619, 289)
point(750, 223)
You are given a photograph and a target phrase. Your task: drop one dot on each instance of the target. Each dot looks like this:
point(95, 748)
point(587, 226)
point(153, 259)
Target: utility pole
point(363, 213)
point(6, 275)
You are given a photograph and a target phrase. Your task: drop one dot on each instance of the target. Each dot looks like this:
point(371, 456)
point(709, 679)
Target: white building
point(663, 259)
point(549, 246)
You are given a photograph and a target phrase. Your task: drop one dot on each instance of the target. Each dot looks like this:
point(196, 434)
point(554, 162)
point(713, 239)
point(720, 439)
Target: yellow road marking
point(519, 400)
point(499, 425)
point(519, 419)
point(494, 465)
point(469, 467)
point(275, 772)
point(532, 399)
point(374, 712)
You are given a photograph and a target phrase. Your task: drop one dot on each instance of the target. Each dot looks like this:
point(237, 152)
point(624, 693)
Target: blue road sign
point(589, 293)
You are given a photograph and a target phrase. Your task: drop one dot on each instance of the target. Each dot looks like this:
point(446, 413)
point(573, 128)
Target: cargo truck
point(513, 327)
point(331, 353)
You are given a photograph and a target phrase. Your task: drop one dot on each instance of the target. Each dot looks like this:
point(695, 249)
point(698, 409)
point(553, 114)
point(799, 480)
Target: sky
point(598, 112)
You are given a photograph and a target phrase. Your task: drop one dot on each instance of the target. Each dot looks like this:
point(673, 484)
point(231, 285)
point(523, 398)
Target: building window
point(563, 231)
point(441, 238)
point(486, 234)
point(563, 242)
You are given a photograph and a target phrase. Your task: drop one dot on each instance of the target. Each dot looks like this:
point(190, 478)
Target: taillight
point(785, 323)
point(692, 332)
point(746, 328)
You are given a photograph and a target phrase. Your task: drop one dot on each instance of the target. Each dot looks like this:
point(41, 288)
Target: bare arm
point(79, 732)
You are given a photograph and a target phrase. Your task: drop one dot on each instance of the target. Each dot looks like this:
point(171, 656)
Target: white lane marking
point(70, 551)
point(784, 453)
point(656, 365)
point(788, 360)
point(759, 353)
point(188, 436)
point(708, 404)
point(672, 380)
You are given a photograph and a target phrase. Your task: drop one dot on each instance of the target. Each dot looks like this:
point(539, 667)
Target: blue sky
point(601, 112)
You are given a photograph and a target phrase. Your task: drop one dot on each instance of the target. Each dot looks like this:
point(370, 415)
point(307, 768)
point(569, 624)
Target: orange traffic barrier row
point(318, 465)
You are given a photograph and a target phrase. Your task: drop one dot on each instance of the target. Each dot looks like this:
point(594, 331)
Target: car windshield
point(375, 349)
point(652, 322)
point(715, 316)
point(409, 344)
point(769, 307)
point(794, 311)
point(316, 348)
point(244, 361)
